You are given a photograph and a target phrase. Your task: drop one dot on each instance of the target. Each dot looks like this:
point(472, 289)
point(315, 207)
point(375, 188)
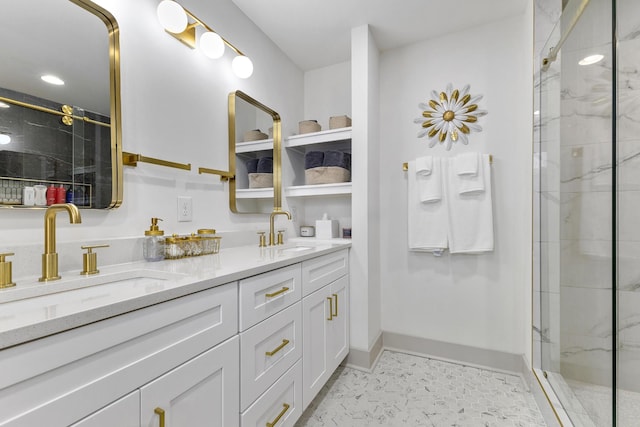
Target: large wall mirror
point(63, 133)
point(254, 156)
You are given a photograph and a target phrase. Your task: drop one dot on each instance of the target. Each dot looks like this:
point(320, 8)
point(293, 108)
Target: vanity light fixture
point(51, 79)
point(175, 20)
point(591, 59)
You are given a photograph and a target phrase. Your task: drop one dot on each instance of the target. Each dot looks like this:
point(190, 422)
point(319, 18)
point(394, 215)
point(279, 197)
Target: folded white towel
point(467, 163)
point(470, 215)
point(469, 183)
point(429, 185)
point(424, 165)
point(427, 222)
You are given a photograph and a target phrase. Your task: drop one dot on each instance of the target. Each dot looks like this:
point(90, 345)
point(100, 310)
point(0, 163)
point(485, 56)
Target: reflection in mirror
point(254, 156)
point(64, 135)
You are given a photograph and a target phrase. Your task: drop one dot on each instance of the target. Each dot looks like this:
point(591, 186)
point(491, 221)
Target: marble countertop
point(27, 314)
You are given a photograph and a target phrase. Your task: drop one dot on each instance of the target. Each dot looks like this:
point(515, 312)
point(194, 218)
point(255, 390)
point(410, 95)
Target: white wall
point(174, 107)
point(327, 92)
point(476, 300)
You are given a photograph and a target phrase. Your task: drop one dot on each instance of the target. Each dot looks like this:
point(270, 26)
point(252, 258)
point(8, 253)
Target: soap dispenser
point(153, 245)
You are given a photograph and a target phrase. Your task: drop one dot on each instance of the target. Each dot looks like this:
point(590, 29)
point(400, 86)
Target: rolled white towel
point(429, 185)
point(468, 183)
point(424, 165)
point(467, 163)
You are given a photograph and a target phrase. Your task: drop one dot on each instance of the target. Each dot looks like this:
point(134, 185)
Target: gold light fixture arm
point(131, 159)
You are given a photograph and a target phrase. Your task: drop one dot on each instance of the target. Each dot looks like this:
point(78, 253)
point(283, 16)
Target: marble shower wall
point(585, 201)
point(546, 297)
point(628, 195)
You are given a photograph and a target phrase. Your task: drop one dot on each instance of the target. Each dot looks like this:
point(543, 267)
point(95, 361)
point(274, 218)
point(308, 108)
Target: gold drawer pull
point(336, 313)
point(330, 308)
point(276, 293)
point(277, 349)
point(285, 408)
point(160, 413)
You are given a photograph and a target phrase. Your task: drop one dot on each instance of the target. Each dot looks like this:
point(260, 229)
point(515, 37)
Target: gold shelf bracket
point(224, 175)
point(131, 159)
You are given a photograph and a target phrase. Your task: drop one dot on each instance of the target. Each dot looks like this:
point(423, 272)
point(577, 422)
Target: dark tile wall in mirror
point(42, 150)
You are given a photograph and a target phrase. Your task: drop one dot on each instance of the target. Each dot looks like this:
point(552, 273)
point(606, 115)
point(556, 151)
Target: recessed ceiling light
point(52, 79)
point(591, 59)
point(4, 139)
point(4, 105)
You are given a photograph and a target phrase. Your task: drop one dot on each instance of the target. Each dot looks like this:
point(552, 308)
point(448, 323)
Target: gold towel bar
point(405, 165)
point(131, 159)
point(224, 175)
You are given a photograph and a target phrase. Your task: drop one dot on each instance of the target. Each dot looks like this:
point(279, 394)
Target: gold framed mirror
point(255, 156)
point(63, 135)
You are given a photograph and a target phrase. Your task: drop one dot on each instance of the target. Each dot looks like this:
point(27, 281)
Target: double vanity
point(245, 337)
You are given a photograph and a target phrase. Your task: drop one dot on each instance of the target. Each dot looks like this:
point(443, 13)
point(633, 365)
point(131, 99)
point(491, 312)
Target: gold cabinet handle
point(275, 294)
point(277, 349)
point(285, 408)
point(330, 308)
point(336, 313)
point(160, 413)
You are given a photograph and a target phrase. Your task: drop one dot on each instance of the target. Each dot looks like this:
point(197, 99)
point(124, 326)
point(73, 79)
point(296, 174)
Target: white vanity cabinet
point(81, 375)
point(251, 353)
point(325, 316)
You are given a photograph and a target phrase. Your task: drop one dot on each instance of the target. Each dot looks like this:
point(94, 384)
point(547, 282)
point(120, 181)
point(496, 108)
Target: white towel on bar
point(429, 179)
point(470, 215)
point(469, 173)
point(467, 163)
point(427, 222)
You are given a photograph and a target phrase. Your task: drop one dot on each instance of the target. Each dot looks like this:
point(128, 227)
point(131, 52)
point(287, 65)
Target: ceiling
point(315, 34)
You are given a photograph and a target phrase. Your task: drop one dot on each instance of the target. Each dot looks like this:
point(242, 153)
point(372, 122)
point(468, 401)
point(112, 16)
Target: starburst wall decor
point(450, 116)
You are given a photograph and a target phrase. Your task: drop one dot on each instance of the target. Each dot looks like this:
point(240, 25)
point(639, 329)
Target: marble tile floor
point(407, 390)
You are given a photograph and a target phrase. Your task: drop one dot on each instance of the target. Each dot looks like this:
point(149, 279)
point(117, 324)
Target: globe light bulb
point(172, 16)
point(242, 66)
point(211, 45)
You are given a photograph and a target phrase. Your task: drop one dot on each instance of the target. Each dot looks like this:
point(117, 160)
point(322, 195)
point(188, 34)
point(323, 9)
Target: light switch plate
point(185, 209)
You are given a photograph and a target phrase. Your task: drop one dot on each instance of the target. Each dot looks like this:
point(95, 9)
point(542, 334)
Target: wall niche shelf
point(325, 136)
point(254, 193)
point(252, 146)
point(298, 145)
point(339, 188)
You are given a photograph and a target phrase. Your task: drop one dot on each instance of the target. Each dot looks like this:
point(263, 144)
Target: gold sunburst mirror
point(450, 116)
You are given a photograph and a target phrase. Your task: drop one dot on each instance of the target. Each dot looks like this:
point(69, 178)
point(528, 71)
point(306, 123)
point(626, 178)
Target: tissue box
point(327, 228)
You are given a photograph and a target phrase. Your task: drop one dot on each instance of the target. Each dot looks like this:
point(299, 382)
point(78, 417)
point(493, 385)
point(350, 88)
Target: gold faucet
point(272, 234)
point(50, 256)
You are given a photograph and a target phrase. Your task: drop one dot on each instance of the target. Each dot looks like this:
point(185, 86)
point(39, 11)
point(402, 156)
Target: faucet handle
point(281, 237)
point(90, 260)
point(5, 271)
point(263, 239)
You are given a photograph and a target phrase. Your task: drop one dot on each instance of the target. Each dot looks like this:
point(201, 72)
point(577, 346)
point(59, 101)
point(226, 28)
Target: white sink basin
point(297, 249)
point(57, 291)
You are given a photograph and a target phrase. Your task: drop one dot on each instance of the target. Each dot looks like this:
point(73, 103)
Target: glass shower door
point(576, 245)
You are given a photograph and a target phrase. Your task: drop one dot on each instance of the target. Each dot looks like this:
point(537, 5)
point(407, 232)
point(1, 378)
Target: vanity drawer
point(323, 270)
point(281, 403)
point(266, 294)
point(267, 351)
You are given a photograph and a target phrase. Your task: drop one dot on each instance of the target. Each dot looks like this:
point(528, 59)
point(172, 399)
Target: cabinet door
point(339, 324)
point(315, 340)
point(201, 392)
point(124, 412)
